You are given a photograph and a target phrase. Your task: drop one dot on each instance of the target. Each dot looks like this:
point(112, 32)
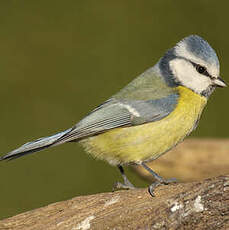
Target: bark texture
point(193, 205)
point(196, 205)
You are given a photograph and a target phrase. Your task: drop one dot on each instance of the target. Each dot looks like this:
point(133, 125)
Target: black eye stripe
point(196, 66)
point(201, 69)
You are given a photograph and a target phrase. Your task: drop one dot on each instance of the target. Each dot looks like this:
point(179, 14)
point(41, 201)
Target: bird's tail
point(35, 146)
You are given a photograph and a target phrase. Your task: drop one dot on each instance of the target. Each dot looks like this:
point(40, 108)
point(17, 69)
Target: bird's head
point(194, 64)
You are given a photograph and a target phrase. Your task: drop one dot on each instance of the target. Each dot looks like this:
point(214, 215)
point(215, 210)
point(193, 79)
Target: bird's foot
point(157, 183)
point(125, 185)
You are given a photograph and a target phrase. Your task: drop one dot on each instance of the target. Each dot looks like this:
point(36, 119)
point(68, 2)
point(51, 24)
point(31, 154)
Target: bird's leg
point(126, 185)
point(159, 180)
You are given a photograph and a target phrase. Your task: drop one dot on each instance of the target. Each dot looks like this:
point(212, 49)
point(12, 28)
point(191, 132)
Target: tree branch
point(196, 205)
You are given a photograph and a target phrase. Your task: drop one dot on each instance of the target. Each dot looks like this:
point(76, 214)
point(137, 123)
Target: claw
point(152, 187)
point(118, 186)
point(126, 185)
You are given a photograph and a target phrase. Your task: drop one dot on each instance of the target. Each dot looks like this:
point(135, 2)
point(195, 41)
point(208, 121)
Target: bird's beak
point(219, 82)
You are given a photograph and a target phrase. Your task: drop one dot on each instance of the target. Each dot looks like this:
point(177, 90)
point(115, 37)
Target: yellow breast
point(148, 141)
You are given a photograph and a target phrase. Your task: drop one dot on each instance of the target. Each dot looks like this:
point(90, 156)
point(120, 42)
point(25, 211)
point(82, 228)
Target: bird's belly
point(148, 141)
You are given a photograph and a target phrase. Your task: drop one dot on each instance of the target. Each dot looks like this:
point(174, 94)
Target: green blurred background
point(59, 59)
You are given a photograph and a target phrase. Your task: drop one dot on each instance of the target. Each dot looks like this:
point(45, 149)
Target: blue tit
point(150, 115)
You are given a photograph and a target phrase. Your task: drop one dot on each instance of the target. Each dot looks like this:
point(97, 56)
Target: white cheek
point(186, 73)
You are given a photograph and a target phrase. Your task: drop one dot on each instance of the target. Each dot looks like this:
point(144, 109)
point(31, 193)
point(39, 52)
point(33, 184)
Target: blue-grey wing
point(120, 113)
point(112, 114)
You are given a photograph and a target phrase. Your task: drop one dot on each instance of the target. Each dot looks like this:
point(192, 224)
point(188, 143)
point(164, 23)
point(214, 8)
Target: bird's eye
point(200, 69)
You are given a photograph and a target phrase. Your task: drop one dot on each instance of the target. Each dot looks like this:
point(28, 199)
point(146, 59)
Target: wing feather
point(117, 113)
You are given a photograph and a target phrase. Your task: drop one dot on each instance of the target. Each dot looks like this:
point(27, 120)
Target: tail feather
point(34, 146)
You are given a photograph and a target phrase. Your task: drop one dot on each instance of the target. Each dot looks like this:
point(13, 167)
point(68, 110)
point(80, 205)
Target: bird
point(149, 116)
